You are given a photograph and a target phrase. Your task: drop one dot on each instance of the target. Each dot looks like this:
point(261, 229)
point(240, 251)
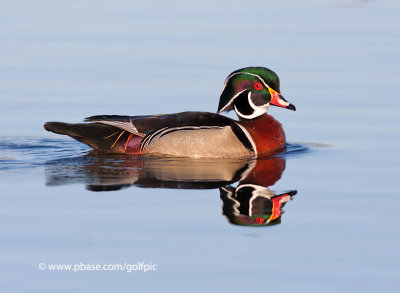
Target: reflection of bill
point(253, 205)
point(250, 203)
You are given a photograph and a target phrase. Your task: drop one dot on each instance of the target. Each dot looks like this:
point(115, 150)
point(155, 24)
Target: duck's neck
point(266, 132)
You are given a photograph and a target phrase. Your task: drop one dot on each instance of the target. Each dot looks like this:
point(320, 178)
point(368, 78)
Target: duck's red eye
point(259, 220)
point(258, 86)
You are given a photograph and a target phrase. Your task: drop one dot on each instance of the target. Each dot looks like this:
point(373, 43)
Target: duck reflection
point(253, 205)
point(250, 203)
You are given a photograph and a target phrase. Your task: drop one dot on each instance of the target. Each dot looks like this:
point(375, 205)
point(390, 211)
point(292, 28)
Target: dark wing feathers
point(92, 134)
point(142, 125)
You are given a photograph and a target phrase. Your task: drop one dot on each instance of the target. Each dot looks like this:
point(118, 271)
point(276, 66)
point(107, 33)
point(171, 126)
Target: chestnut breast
point(266, 132)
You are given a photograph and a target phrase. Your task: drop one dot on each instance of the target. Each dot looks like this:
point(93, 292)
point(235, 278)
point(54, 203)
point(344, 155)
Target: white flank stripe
point(249, 138)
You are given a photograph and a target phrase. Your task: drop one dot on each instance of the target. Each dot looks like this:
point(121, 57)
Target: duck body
point(194, 134)
point(186, 134)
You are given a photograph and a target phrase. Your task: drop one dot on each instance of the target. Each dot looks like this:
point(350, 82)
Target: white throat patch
point(258, 110)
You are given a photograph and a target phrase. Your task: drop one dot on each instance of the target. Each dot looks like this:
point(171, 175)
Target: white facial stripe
point(255, 107)
point(229, 77)
point(234, 97)
point(258, 110)
point(231, 101)
point(259, 191)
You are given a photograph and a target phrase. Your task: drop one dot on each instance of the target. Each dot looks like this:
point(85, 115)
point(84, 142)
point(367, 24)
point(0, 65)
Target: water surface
point(338, 63)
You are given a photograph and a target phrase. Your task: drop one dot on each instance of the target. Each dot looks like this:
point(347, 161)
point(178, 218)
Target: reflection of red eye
point(259, 220)
point(258, 86)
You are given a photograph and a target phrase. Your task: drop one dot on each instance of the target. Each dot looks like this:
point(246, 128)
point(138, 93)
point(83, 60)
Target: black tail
point(98, 136)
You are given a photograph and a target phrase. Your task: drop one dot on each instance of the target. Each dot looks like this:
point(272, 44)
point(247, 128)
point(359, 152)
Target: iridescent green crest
point(244, 79)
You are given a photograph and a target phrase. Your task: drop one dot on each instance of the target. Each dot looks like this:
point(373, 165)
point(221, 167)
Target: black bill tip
point(291, 107)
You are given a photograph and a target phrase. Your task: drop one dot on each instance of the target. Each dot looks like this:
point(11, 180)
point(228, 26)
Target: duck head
point(250, 91)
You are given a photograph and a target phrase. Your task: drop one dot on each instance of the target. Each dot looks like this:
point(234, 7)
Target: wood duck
point(248, 91)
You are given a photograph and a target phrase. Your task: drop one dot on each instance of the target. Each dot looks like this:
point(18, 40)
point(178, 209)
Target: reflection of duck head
point(250, 203)
point(253, 205)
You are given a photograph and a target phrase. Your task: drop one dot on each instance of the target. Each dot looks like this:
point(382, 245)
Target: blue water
point(61, 204)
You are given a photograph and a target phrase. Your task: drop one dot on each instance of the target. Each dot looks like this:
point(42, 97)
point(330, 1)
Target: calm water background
point(339, 64)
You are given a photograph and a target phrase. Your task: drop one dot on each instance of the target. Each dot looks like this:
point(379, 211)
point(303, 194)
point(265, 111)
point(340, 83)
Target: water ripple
point(30, 152)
